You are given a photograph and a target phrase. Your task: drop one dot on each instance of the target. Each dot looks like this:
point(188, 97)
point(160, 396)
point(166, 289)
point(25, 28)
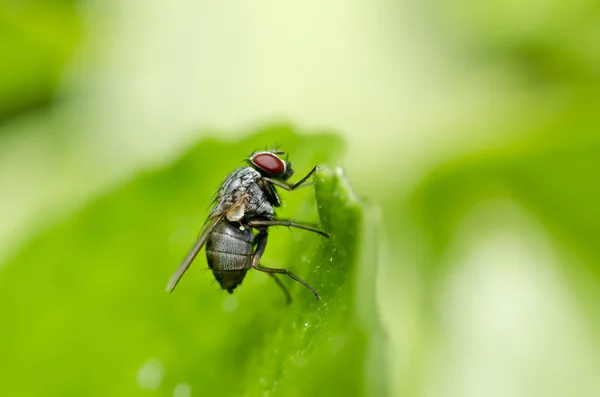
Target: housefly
point(246, 203)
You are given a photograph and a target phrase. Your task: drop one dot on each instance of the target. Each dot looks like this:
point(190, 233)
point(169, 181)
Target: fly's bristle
point(251, 154)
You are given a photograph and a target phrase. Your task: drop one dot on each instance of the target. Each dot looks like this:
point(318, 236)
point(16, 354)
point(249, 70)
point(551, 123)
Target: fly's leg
point(262, 223)
point(306, 184)
point(261, 244)
point(289, 187)
point(291, 275)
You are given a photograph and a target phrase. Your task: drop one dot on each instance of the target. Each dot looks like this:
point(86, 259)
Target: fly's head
point(271, 165)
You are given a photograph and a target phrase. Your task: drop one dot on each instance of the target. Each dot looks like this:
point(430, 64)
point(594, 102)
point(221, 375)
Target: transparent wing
point(189, 258)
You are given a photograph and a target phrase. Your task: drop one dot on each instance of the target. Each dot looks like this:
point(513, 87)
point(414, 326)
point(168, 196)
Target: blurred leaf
point(540, 44)
point(37, 39)
point(552, 172)
point(84, 310)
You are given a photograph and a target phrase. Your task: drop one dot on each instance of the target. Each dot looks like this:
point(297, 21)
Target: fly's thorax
point(238, 182)
point(243, 196)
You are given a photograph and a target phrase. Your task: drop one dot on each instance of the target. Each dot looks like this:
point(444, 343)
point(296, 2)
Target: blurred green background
point(471, 128)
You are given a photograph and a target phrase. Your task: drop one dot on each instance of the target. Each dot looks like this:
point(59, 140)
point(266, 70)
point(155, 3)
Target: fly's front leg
point(280, 222)
point(296, 185)
point(261, 243)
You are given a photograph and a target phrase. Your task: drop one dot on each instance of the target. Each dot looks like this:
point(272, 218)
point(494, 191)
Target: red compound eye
point(269, 162)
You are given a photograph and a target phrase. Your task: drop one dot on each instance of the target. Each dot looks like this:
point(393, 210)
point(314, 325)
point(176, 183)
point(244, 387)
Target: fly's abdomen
point(229, 253)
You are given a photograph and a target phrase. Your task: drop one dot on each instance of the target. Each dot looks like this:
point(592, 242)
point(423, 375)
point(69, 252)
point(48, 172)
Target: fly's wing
point(189, 258)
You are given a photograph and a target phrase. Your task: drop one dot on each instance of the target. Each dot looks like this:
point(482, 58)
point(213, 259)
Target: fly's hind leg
point(261, 244)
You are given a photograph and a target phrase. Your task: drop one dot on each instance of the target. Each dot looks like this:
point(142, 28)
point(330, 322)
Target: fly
point(246, 203)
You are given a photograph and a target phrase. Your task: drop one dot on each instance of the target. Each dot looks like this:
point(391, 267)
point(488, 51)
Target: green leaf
point(84, 310)
point(37, 40)
point(550, 173)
